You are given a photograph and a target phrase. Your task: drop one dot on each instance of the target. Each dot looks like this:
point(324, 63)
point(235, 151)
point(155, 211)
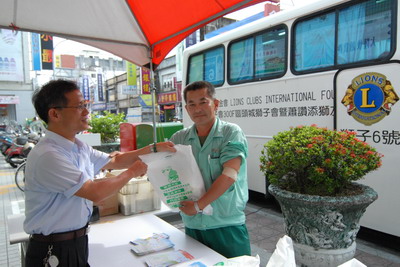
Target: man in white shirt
point(59, 187)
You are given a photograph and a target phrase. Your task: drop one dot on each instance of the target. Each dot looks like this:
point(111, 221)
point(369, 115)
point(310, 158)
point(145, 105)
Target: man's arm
point(99, 190)
point(219, 187)
point(125, 159)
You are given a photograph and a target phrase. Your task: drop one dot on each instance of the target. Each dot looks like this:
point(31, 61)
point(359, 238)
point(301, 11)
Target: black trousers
point(70, 253)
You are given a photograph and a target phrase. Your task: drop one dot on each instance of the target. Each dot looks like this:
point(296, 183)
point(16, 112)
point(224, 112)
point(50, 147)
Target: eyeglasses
point(81, 107)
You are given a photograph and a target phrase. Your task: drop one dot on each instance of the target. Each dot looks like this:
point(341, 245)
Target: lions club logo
point(369, 98)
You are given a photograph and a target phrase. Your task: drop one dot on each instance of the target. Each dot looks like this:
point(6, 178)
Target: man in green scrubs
point(220, 150)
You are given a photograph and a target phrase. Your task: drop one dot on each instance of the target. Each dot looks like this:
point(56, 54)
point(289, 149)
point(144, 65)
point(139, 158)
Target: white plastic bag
point(283, 255)
point(175, 176)
point(241, 261)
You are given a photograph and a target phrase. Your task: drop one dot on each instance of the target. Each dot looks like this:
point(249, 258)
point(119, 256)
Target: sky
point(63, 46)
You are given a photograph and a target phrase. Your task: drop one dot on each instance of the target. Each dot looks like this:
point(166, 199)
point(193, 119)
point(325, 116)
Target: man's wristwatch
point(196, 206)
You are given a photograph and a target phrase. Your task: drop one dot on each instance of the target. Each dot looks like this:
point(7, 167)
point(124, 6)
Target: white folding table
point(109, 239)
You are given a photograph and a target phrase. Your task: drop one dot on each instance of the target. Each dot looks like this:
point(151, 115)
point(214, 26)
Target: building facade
point(15, 84)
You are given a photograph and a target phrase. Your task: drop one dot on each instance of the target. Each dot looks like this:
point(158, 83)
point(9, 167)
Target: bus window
point(315, 43)
point(270, 53)
point(208, 66)
point(241, 61)
point(259, 57)
point(196, 70)
point(214, 66)
point(364, 32)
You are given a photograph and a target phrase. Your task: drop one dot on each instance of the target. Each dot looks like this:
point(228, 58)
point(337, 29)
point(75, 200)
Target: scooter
point(14, 154)
point(19, 151)
point(6, 141)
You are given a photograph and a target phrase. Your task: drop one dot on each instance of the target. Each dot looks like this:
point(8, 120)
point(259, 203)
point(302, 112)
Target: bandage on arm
point(230, 172)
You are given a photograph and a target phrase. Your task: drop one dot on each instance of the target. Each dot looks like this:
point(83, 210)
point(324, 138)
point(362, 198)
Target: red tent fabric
point(136, 30)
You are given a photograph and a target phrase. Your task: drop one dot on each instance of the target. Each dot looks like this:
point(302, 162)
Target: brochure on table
point(109, 243)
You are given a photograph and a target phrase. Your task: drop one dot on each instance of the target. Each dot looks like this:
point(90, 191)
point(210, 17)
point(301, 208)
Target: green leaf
point(107, 125)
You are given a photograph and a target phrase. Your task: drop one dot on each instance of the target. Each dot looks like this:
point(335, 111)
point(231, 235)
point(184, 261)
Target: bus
point(333, 63)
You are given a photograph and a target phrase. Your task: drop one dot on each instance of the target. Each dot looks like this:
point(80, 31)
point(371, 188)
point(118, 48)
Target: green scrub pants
point(230, 241)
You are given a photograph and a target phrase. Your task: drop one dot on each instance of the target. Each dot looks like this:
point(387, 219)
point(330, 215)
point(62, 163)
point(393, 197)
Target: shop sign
point(146, 81)
point(111, 105)
point(57, 61)
point(167, 98)
point(146, 101)
point(11, 60)
point(179, 91)
point(100, 86)
point(191, 39)
point(130, 90)
point(131, 73)
point(99, 106)
point(169, 106)
point(9, 99)
point(67, 61)
point(46, 44)
point(85, 87)
point(35, 48)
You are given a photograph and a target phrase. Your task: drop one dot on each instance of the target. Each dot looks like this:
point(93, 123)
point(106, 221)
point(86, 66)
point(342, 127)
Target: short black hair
point(199, 85)
point(50, 95)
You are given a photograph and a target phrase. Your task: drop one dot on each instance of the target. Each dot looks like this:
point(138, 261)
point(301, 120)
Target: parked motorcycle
point(6, 140)
point(14, 155)
point(20, 149)
point(8, 133)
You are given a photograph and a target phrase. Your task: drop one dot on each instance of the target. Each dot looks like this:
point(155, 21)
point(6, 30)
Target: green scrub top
point(224, 142)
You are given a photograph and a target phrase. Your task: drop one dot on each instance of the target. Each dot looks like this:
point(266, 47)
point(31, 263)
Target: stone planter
point(323, 229)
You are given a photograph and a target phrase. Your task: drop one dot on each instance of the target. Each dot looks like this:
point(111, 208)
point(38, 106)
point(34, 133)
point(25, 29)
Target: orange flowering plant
point(317, 161)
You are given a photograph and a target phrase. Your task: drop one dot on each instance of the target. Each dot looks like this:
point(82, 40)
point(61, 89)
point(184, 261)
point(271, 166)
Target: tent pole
point(153, 95)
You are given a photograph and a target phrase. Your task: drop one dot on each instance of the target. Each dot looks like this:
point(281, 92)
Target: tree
point(107, 125)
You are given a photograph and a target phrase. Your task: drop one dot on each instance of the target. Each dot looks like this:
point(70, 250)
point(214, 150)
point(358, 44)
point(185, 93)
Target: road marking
point(7, 186)
point(4, 189)
point(6, 173)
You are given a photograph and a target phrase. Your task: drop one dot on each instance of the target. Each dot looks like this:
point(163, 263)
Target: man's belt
point(57, 237)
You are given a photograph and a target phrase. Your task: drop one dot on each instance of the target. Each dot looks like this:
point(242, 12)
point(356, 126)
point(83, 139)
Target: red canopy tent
point(140, 31)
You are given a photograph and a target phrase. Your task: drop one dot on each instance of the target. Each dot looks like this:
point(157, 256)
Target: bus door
point(367, 102)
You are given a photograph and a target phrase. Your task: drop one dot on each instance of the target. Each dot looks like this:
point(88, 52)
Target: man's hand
point(138, 168)
point(188, 208)
point(112, 155)
point(165, 146)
